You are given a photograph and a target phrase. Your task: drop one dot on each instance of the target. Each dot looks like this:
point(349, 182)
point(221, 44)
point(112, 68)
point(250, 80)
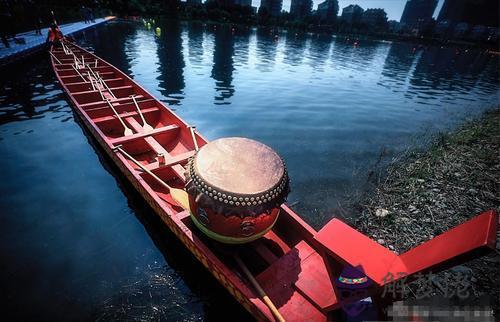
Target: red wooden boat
point(298, 267)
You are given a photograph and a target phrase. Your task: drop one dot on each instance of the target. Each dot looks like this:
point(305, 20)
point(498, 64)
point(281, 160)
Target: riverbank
point(426, 193)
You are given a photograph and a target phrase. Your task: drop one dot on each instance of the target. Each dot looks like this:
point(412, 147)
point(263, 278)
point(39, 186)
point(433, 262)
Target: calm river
point(76, 242)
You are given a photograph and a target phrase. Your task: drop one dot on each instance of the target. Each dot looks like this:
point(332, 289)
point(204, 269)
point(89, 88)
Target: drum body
point(236, 187)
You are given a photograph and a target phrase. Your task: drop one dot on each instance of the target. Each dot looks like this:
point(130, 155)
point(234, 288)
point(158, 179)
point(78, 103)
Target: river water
point(76, 242)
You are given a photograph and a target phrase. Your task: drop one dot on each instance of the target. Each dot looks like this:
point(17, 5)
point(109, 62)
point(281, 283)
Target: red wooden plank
point(275, 238)
point(279, 280)
point(136, 136)
point(98, 120)
point(264, 251)
point(171, 161)
point(314, 281)
point(464, 242)
point(351, 247)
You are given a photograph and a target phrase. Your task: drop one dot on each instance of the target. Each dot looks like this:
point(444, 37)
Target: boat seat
point(464, 242)
point(83, 83)
point(103, 103)
point(300, 273)
point(136, 136)
point(112, 117)
point(171, 161)
point(264, 252)
point(103, 90)
point(121, 104)
point(76, 75)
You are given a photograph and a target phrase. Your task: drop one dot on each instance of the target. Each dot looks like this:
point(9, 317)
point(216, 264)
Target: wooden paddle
point(182, 199)
point(145, 125)
point(58, 61)
point(259, 289)
point(180, 196)
point(191, 129)
point(127, 131)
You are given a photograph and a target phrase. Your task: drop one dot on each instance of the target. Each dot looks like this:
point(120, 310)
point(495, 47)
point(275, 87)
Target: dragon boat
point(225, 200)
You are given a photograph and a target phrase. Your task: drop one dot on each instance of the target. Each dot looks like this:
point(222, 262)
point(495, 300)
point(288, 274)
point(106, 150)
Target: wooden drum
point(236, 187)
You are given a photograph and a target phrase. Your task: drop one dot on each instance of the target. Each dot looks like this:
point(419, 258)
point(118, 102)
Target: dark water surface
point(77, 242)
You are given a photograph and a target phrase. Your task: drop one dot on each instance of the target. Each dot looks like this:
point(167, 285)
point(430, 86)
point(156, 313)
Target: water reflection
point(447, 69)
point(295, 46)
point(266, 45)
point(171, 67)
point(355, 54)
point(242, 42)
point(222, 70)
point(112, 40)
point(25, 99)
point(319, 50)
point(195, 42)
point(329, 106)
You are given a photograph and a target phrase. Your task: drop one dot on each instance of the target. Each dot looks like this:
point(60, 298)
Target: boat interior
point(296, 265)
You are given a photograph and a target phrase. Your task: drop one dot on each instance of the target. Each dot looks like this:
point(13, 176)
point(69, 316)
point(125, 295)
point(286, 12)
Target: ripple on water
point(330, 107)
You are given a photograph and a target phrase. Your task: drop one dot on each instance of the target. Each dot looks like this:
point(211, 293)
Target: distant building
point(418, 13)
point(461, 30)
point(273, 7)
point(301, 8)
point(493, 34)
point(442, 28)
point(479, 33)
point(328, 10)
point(473, 12)
point(393, 26)
point(243, 3)
point(352, 14)
point(224, 3)
point(452, 11)
point(374, 17)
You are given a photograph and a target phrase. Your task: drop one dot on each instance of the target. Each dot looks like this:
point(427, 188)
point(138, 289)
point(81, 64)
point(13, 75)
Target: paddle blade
point(181, 197)
point(147, 127)
point(128, 132)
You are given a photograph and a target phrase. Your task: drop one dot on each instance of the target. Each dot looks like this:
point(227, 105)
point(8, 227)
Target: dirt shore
point(423, 194)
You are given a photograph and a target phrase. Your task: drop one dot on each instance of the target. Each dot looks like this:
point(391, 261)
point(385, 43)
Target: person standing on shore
point(84, 14)
point(6, 23)
point(33, 13)
point(55, 35)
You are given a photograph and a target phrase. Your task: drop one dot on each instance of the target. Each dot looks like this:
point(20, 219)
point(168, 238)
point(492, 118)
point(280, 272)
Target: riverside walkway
point(34, 42)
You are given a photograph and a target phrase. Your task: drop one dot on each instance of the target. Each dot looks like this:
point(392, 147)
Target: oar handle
point(138, 109)
point(160, 181)
point(259, 289)
point(191, 129)
point(116, 113)
point(55, 57)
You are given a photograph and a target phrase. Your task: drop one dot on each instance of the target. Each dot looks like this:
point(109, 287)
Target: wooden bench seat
point(112, 117)
point(100, 103)
point(124, 139)
point(300, 274)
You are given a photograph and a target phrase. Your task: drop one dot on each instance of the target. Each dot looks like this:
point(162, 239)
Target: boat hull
point(295, 265)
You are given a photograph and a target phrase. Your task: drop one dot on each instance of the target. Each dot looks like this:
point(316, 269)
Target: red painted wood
point(314, 281)
point(464, 242)
point(297, 274)
point(353, 248)
point(475, 237)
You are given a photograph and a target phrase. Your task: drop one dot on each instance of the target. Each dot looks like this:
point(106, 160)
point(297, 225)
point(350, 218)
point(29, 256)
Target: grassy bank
point(426, 193)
